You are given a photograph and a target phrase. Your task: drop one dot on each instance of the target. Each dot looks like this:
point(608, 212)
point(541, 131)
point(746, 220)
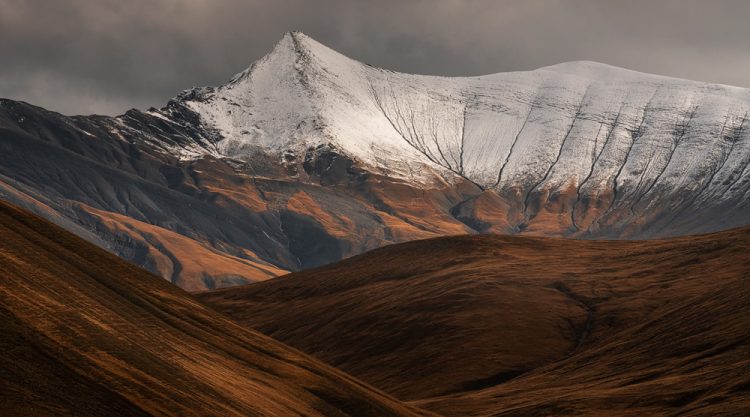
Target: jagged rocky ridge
point(308, 156)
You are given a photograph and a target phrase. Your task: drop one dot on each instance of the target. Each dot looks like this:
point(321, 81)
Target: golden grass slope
point(84, 333)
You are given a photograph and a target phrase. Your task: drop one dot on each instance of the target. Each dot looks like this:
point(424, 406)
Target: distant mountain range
point(308, 157)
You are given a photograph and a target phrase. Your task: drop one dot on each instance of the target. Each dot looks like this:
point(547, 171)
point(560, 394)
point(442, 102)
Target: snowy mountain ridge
point(308, 157)
point(572, 124)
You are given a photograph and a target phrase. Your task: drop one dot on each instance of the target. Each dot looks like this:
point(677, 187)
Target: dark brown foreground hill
point(493, 325)
point(84, 333)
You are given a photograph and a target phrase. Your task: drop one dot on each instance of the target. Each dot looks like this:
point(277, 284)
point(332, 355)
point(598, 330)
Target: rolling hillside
point(508, 325)
point(84, 333)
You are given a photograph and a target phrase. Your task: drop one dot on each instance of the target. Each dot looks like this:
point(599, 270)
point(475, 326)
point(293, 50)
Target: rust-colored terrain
point(213, 221)
point(85, 333)
point(492, 325)
point(461, 326)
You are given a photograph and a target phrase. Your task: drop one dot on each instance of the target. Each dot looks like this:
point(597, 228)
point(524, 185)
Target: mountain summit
point(578, 128)
point(308, 156)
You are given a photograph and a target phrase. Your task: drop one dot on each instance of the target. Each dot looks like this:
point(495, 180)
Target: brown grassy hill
point(498, 325)
point(84, 333)
point(691, 359)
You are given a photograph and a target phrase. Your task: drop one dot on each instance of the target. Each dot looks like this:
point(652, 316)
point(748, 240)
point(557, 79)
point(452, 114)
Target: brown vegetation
point(497, 325)
point(85, 333)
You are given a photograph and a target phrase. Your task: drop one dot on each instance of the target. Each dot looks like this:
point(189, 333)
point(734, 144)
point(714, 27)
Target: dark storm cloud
point(85, 56)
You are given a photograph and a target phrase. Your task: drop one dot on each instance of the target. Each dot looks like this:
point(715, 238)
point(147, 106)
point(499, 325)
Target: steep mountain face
point(579, 148)
point(84, 333)
point(308, 156)
point(489, 325)
point(206, 222)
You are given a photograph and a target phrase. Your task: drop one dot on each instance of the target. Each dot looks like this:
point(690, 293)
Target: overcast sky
point(106, 56)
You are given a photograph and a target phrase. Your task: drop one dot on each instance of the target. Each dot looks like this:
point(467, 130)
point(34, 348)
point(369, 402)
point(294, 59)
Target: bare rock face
point(308, 156)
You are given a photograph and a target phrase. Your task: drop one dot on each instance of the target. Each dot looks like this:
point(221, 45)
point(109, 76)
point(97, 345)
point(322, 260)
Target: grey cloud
point(105, 56)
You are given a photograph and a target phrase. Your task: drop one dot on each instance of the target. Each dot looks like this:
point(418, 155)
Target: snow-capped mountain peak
point(580, 125)
point(337, 157)
point(303, 94)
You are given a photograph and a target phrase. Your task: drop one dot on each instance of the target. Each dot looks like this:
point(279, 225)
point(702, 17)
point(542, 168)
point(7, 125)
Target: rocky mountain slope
point(580, 148)
point(84, 333)
point(308, 157)
point(526, 326)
